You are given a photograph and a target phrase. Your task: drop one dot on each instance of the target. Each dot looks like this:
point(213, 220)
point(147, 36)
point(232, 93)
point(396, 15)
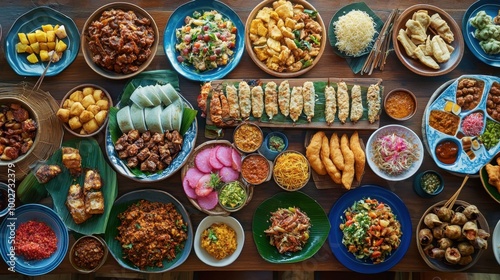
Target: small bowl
point(401, 131)
point(400, 104)
point(415, 65)
point(419, 183)
point(87, 54)
point(248, 137)
point(278, 171)
point(4, 199)
point(80, 132)
point(261, 64)
point(267, 149)
point(255, 169)
point(234, 190)
point(93, 239)
point(203, 255)
point(33, 114)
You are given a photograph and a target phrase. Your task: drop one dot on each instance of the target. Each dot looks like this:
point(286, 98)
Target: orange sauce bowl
point(400, 104)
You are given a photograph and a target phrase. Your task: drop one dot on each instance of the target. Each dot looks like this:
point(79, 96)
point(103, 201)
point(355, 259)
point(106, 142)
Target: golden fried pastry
point(313, 153)
point(359, 156)
point(76, 204)
point(335, 152)
point(331, 169)
point(72, 160)
point(348, 172)
point(493, 175)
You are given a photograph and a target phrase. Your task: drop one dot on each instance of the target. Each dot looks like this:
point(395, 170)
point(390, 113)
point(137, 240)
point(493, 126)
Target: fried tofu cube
point(74, 123)
point(264, 14)
point(87, 100)
point(87, 91)
point(274, 44)
point(254, 25)
point(290, 23)
point(275, 33)
point(261, 53)
point(91, 126)
point(63, 114)
point(23, 38)
point(76, 96)
point(41, 36)
point(32, 58)
point(76, 109)
point(94, 109)
point(285, 10)
point(67, 103)
point(100, 117)
point(98, 95)
point(86, 116)
point(103, 104)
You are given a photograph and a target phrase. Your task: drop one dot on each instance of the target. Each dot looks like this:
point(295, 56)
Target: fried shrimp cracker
point(335, 152)
point(313, 153)
point(348, 172)
point(359, 156)
point(331, 169)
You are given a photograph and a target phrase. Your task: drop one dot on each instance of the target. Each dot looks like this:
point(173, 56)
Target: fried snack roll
point(216, 109)
point(408, 45)
point(284, 98)
point(296, 103)
point(331, 169)
point(356, 104)
point(441, 27)
point(330, 104)
point(313, 153)
point(348, 172)
point(224, 106)
point(373, 103)
point(232, 99)
point(335, 152)
point(309, 96)
point(342, 101)
point(271, 99)
point(203, 97)
point(359, 156)
point(257, 101)
point(245, 99)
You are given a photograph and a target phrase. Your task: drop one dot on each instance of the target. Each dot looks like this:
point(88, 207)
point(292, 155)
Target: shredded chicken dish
point(289, 229)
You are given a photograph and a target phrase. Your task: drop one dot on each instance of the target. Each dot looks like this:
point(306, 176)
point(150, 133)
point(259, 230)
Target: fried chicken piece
point(94, 202)
point(493, 175)
point(76, 204)
point(72, 160)
point(47, 172)
point(92, 181)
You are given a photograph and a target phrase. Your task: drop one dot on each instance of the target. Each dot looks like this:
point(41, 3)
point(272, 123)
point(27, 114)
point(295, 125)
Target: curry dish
point(444, 121)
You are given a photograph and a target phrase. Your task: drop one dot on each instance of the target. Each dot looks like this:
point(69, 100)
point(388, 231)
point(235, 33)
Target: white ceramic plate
point(496, 242)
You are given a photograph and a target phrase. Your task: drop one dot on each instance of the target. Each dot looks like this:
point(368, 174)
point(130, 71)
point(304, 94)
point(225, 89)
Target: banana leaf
point(92, 158)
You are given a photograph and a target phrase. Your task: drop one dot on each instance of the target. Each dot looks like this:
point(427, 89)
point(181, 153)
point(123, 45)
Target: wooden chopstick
point(449, 204)
point(379, 51)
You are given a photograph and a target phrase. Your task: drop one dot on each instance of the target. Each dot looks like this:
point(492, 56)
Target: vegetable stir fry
point(394, 154)
point(206, 41)
point(371, 230)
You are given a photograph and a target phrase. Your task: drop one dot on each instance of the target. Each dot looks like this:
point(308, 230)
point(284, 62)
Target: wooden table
point(395, 75)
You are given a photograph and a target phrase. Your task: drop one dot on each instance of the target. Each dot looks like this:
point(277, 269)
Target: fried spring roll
point(271, 99)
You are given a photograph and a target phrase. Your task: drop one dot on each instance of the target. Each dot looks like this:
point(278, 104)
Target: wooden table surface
point(395, 75)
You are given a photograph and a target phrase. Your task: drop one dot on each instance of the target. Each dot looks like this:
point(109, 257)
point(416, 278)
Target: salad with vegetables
point(394, 154)
point(370, 230)
point(206, 41)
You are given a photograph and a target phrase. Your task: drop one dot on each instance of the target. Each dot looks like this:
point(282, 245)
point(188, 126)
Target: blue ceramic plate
point(176, 20)
point(121, 204)
point(335, 237)
point(41, 213)
point(432, 137)
point(491, 8)
point(343, 11)
point(30, 22)
point(188, 144)
point(317, 235)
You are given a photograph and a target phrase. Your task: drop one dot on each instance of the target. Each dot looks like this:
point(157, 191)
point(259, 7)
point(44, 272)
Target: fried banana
point(348, 172)
point(331, 169)
point(335, 152)
point(359, 156)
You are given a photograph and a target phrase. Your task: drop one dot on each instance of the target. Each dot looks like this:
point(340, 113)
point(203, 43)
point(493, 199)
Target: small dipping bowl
point(428, 183)
point(88, 245)
point(4, 199)
point(400, 104)
point(248, 137)
point(274, 143)
point(233, 196)
point(255, 169)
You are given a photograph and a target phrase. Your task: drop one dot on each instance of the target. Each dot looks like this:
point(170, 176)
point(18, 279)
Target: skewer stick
point(449, 204)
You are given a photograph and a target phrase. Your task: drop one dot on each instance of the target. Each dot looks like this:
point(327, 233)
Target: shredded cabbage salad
point(394, 154)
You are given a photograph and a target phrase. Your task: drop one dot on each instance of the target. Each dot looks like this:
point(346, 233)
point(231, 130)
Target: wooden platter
point(318, 121)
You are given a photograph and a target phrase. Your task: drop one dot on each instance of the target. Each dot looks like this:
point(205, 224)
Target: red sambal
point(35, 241)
